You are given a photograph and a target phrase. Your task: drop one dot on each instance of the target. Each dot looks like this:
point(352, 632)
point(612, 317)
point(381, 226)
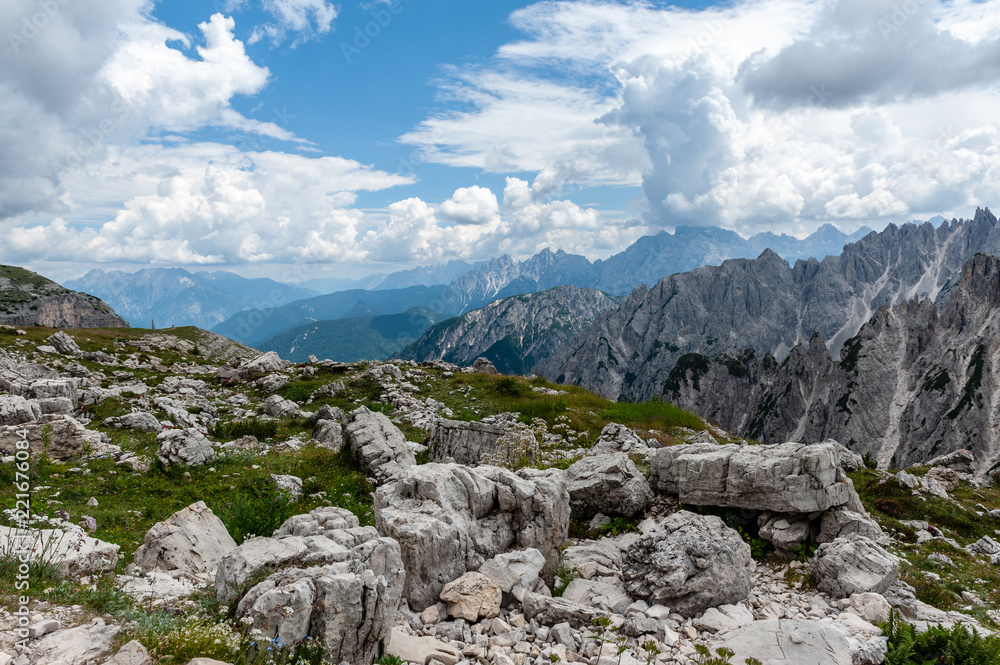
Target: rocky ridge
point(914, 384)
point(765, 305)
point(28, 299)
point(515, 332)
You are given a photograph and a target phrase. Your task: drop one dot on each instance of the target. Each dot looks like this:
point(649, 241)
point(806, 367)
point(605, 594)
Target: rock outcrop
point(59, 436)
point(68, 548)
point(463, 442)
point(184, 446)
point(376, 444)
point(789, 477)
point(847, 566)
point(449, 519)
point(609, 484)
point(336, 582)
point(189, 544)
point(689, 563)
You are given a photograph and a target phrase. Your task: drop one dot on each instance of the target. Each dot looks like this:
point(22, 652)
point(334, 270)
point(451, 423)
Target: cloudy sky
point(261, 135)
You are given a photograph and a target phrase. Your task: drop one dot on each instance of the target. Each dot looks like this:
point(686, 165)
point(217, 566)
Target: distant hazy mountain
point(176, 297)
point(502, 277)
point(353, 339)
point(648, 260)
point(651, 258)
point(444, 273)
point(514, 332)
point(255, 326)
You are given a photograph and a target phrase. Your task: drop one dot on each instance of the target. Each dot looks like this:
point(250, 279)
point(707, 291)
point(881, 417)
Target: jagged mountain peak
point(911, 385)
point(765, 305)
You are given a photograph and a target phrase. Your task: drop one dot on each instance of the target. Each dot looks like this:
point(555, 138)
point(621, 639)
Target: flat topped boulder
point(787, 478)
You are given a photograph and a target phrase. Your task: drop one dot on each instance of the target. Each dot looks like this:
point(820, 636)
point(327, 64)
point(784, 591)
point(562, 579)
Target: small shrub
point(723, 656)
point(759, 548)
point(565, 574)
point(256, 513)
point(617, 526)
point(805, 551)
point(262, 429)
point(509, 387)
point(889, 507)
point(387, 659)
point(298, 392)
point(869, 461)
point(195, 637)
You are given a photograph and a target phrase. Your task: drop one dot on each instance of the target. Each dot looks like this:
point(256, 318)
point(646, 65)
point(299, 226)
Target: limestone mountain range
point(766, 305)
point(913, 384)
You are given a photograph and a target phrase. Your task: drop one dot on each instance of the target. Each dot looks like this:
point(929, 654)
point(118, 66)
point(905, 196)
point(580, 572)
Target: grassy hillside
point(256, 326)
point(353, 339)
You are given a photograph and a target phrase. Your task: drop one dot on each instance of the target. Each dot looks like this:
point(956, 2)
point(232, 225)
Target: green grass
point(124, 520)
point(652, 415)
point(258, 427)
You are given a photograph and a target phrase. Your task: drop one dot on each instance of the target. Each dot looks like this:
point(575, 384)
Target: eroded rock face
point(59, 436)
point(377, 445)
point(472, 597)
point(340, 585)
point(463, 442)
point(15, 410)
point(616, 438)
point(139, 421)
point(690, 563)
point(329, 434)
point(85, 644)
point(786, 478)
point(790, 642)
point(786, 532)
point(189, 544)
point(449, 519)
point(184, 446)
point(851, 565)
point(609, 484)
point(842, 521)
point(68, 547)
point(277, 406)
point(484, 366)
point(64, 344)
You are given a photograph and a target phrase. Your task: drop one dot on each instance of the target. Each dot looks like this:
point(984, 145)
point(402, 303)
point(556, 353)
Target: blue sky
point(237, 134)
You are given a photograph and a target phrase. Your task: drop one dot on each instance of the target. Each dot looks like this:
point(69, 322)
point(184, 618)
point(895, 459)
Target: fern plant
point(938, 646)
